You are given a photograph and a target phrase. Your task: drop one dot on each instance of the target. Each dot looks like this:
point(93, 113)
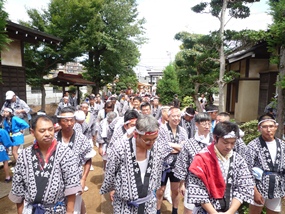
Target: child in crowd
point(14, 126)
point(5, 142)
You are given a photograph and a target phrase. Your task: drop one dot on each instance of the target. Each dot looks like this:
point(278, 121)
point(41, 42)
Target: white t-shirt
point(143, 165)
point(272, 149)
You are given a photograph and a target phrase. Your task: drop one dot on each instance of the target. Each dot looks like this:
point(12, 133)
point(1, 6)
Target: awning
point(64, 79)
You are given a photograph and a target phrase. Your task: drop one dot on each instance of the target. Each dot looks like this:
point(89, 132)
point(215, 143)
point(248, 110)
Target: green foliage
point(126, 81)
point(168, 86)
point(196, 64)
point(107, 33)
point(188, 101)
point(250, 131)
point(237, 9)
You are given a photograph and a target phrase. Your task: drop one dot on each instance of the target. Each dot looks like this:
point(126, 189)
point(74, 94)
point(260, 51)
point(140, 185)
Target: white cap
point(9, 95)
point(79, 115)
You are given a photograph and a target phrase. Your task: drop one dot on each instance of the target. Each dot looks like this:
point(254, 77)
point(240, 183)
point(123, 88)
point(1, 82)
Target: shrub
point(250, 131)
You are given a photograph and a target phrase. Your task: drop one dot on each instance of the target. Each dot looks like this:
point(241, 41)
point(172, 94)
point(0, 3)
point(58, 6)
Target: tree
point(127, 80)
point(218, 9)
point(275, 40)
point(168, 86)
point(107, 33)
point(196, 65)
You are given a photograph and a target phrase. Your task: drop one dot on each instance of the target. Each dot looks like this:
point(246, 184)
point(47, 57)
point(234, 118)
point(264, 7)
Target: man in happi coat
point(175, 136)
point(190, 148)
point(134, 168)
point(188, 122)
point(46, 175)
point(79, 144)
point(266, 159)
point(220, 180)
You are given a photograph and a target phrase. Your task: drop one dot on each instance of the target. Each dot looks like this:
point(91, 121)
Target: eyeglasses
point(268, 126)
point(149, 141)
point(205, 124)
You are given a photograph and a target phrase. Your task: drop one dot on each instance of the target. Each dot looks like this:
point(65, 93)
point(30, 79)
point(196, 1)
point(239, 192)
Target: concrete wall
point(51, 97)
point(247, 106)
point(12, 56)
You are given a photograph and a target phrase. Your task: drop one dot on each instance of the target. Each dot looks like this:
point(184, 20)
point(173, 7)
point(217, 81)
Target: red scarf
point(206, 167)
point(50, 151)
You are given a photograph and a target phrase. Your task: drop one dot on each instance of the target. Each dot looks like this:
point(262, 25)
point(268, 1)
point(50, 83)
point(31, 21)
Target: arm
point(209, 208)
point(20, 207)
point(70, 204)
point(234, 206)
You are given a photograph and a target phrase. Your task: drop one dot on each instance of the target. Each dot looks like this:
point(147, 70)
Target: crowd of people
point(150, 152)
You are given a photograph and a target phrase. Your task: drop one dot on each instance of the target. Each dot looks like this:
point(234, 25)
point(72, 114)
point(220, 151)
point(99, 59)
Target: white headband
point(58, 116)
point(272, 120)
point(9, 110)
point(191, 115)
point(231, 134)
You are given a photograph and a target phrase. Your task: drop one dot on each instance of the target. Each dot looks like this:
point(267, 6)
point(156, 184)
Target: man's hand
point(258, 198)
point(182, 189)
point(112, 193)
point(82, 182)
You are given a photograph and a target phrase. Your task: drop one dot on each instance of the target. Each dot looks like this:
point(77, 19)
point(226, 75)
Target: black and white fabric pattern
point(242, 186)
point(259, 156)
point(63, 181)
point(181, 136)
point(186, 155)
point(189, 126)
point(120, 175)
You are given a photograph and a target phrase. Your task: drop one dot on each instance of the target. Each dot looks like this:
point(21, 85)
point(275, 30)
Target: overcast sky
point(164, 19)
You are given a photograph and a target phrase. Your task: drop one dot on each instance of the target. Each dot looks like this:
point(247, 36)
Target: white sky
point(164, 19)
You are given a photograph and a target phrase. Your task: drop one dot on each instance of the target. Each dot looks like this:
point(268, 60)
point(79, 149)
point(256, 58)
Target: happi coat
point(190, 148)
point(181, 136)
point(235, 175)
point(47, 186)
point(272, 183)
point(123, 175)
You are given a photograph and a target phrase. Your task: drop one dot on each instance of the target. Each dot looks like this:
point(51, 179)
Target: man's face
point(155, 102)
point(131, 124)
point(84, 108)
point(175, 117)
point(225, 145)
point(213, 115)
point(268, 130)
point(67, 122)
point(188, 117)
point(146, 110)
point(136, 104)
point(44, 132)
point(146, 141)
point(203, 127)
point(164, 114)
point(65, 100)
point(91, 102)
point(13, 99)
point(98, 99)
point(221, 118)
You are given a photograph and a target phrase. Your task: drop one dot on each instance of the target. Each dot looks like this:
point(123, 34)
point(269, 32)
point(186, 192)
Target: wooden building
point(247, 96)
point(12, 58)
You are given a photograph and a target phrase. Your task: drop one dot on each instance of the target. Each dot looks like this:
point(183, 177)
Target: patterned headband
point(272, 120)
point(147, 133)
point(9, 110)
